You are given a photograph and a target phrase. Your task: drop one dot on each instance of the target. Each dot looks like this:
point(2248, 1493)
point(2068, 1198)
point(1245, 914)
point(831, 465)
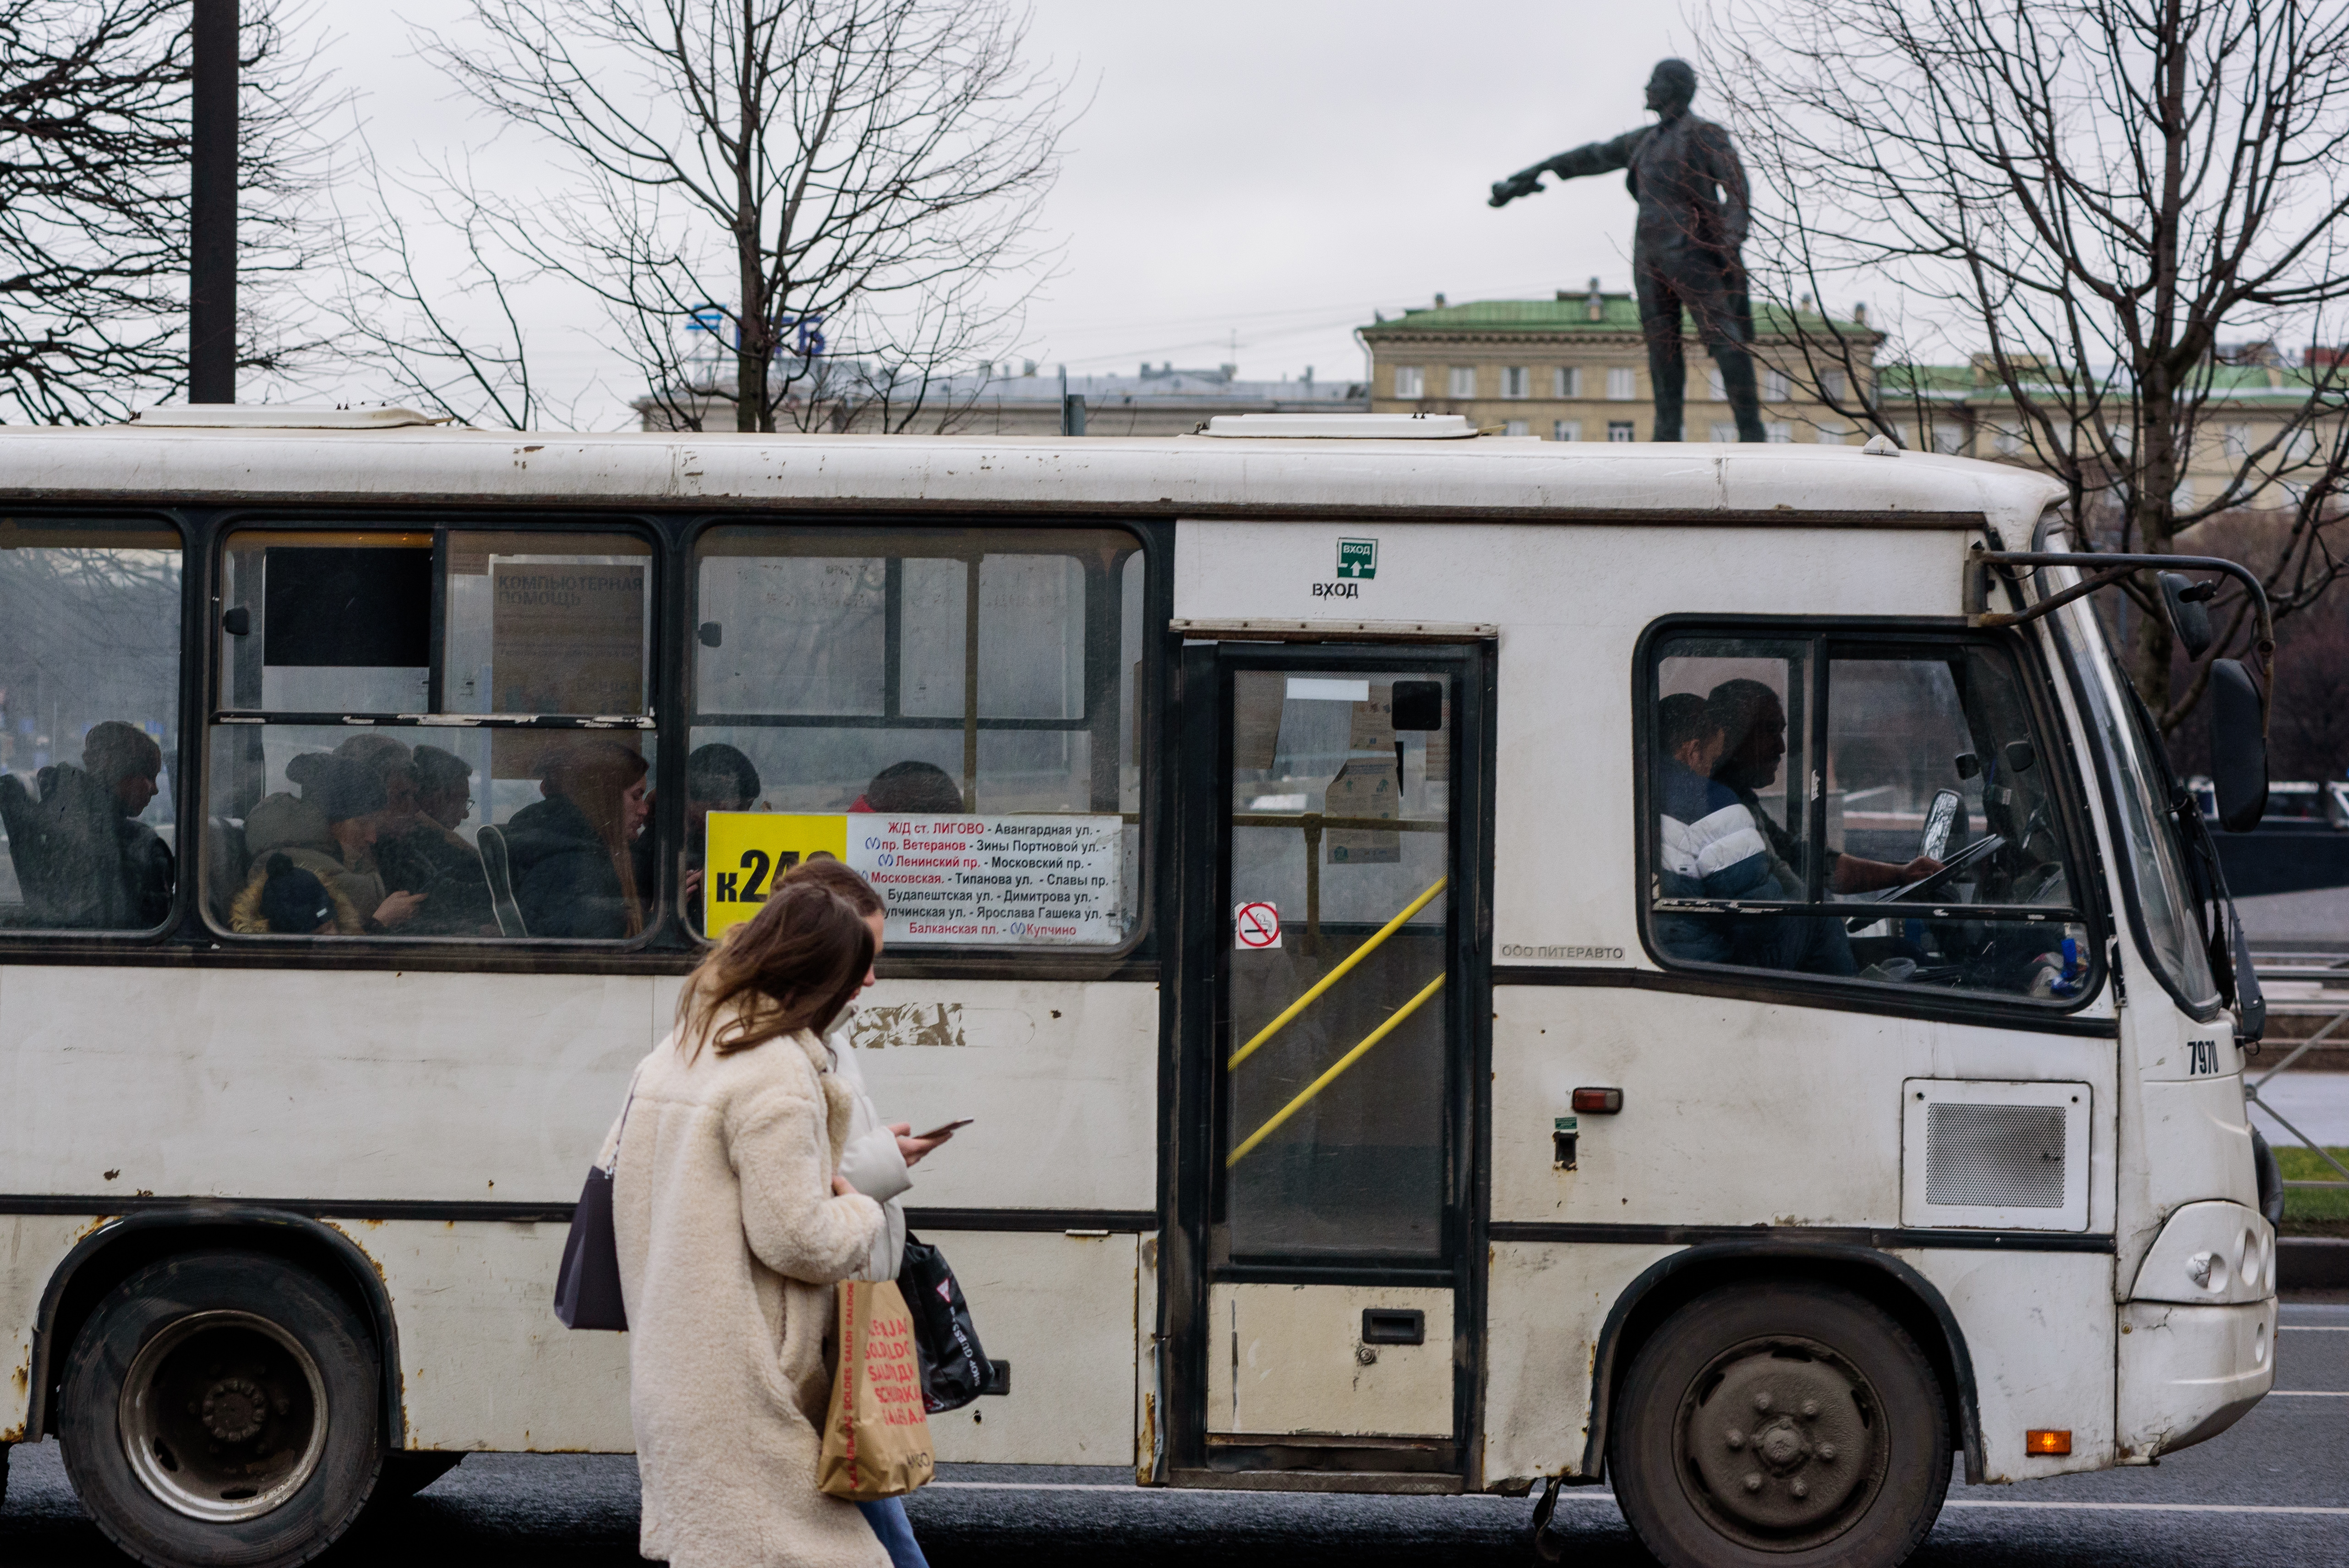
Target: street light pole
point(211, 203)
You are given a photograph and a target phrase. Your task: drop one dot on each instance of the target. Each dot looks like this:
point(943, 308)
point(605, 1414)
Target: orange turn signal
point(2035, 1441)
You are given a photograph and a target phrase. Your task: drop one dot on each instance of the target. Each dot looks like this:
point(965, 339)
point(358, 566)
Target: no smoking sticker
point(1255, 926)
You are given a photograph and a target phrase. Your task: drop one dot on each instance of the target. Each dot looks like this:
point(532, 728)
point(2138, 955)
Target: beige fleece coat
point(731, 1240)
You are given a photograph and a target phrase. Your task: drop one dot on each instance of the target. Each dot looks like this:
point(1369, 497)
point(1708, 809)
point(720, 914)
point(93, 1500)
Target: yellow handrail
point(1356, 956)
point(1342, 1063)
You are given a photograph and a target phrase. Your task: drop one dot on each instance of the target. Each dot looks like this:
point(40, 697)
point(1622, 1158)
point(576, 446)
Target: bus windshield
point(2153, 862)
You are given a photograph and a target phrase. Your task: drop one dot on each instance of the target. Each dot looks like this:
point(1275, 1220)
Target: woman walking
point(733, 1226)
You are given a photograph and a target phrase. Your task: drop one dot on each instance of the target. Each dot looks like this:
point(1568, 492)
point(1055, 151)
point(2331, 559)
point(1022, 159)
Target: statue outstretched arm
point(1591, 158)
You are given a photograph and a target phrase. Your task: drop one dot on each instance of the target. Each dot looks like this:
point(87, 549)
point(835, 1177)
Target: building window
point(2237, 442)
point(1566, 381)
point(1723, 432)
point(1713, 387)
point(1835, 384)
point(1463, 381)
point(2007, 441)
point(1622, 386)
point(1950, 440)
point(1517, 381)
point(1778, 431)
point(1410, 381)
point(1774, 387)
point(1565, 430)
point(1619, 429)
point(1517, 428)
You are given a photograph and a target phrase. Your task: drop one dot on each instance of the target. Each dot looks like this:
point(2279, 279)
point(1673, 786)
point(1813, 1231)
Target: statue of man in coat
point(1685, 251)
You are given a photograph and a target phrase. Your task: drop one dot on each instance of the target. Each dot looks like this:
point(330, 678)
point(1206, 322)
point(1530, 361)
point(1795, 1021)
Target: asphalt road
point(2275, 1489)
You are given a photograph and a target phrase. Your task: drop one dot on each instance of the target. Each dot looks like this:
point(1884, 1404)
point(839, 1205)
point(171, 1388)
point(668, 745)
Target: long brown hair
point(593, 776)
point(825, 871)
point(792, 966)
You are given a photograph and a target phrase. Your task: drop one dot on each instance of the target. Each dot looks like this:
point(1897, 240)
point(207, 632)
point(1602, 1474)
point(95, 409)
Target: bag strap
point(626, 1106)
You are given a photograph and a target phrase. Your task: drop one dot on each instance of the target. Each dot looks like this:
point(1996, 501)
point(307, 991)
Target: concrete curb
point(2311, 1262)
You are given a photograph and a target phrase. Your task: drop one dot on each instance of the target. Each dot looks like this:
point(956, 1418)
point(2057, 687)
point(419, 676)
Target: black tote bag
point(588, 1285)
point(955, 1371)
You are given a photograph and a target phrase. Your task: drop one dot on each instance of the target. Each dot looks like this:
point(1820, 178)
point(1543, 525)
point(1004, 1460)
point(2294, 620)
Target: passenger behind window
point(1754, 723)
point(573, 854)
point(329, 831)
point(914, 788)
point(422, 849)
point(717, 778)
point(286, 901)
point(1710, 846)
point(1739, 740)
point(83, 859)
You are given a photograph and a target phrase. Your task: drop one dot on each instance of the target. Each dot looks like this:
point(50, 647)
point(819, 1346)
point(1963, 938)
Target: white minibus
point(1474, 964)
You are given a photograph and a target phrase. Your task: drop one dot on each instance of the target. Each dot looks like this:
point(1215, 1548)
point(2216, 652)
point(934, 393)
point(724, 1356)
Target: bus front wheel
point(221, 1407)
point(1787, 1424)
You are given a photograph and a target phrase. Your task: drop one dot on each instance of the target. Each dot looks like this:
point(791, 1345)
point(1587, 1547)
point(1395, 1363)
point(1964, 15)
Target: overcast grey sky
point(1250, 180)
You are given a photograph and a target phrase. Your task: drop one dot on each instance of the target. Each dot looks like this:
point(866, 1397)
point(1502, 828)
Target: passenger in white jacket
point(874, 1159)
point(733, 1220)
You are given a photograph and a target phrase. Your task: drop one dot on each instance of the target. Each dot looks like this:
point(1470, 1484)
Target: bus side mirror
point(2190, 613)
point(2238, 751)
point(2250, 1001)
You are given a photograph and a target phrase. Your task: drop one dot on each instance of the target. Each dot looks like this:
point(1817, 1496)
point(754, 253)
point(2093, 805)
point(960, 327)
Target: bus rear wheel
point(220, 1407)
point(1792, 1425)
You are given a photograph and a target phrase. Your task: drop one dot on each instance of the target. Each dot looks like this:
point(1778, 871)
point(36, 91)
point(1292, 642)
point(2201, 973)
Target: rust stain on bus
point(342, 1231)
point(1143, 1461)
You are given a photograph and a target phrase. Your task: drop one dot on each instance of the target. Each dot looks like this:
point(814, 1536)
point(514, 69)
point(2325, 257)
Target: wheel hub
point(233, 1410)
point(1778, 1437)
point(223, 1416)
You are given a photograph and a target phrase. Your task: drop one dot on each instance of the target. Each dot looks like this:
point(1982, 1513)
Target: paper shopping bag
point(876, 1441)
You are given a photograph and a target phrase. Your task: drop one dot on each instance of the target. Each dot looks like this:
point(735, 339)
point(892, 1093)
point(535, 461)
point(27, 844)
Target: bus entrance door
point(1332, 958)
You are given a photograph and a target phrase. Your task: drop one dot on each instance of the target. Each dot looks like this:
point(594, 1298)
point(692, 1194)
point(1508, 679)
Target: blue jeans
point(888, 1520)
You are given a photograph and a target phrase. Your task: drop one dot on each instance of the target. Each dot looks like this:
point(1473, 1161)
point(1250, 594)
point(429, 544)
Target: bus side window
point(525, 813)
point(89, 682)
point(1929, 794)
point(949, 692)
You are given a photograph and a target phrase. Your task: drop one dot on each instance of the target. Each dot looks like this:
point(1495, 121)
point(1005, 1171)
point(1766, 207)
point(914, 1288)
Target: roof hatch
point(280, 416)
point(1353, 426)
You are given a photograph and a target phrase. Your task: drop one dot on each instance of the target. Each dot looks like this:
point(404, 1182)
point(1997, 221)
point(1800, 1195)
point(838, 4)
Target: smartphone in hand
point(945, 1131)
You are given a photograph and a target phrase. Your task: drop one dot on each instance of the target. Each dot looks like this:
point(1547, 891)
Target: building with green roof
point(1575, 368)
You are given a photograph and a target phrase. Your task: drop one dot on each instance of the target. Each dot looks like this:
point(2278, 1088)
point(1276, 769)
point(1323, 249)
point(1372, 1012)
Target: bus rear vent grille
point(1995, 1156)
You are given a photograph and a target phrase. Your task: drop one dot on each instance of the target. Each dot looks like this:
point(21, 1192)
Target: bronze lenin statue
point(1685, 251)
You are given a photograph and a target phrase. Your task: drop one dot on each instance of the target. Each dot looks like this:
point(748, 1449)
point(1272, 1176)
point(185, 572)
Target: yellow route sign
point(749, 853)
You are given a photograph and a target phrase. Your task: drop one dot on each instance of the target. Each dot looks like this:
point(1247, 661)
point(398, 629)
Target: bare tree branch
point(849, 186)
point(2092, 196)
point(94, 200)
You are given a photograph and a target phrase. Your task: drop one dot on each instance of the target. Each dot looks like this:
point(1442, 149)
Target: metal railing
point(2305, 985)
point(1312, 824)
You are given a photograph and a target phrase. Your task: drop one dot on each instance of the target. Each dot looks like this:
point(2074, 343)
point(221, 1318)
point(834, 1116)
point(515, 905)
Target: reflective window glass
point(1939, 847)
point(433, 733)
point(1340, 860)
point(951, 711)
point(89, 704)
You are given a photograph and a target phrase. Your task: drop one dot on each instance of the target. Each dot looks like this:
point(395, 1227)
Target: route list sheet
point(1016, 880)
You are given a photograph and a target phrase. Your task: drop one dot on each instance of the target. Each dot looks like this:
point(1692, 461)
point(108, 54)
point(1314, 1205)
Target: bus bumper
point(2189, 1373)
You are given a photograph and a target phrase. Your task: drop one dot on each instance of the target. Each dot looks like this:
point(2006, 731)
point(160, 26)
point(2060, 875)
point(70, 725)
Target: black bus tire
point(221, 1410)
point(1786, 1424)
